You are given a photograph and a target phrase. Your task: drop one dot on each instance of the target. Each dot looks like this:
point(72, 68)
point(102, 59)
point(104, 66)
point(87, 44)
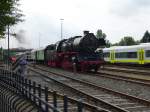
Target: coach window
point(148, 53)
point(106, 54)
point(117, 55)
point(132, 55)
point(121, 55)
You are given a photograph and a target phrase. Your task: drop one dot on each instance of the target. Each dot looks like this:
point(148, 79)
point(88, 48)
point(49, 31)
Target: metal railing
point(34, 92)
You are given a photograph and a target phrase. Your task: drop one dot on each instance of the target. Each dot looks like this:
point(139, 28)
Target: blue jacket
point(23, 62)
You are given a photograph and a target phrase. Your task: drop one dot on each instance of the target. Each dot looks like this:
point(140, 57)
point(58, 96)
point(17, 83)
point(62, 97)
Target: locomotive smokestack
point(85, 33)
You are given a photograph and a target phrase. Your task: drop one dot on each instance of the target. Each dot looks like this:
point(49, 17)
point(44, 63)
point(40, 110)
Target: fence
point(34, 92)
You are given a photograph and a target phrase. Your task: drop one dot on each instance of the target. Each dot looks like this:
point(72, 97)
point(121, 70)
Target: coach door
point(141, 56)
point(112, 56)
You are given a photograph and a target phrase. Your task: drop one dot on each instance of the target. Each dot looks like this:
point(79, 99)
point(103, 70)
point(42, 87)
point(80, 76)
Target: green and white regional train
point(135, 54)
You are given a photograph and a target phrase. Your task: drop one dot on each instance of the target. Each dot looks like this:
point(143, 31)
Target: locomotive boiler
point(86, 43)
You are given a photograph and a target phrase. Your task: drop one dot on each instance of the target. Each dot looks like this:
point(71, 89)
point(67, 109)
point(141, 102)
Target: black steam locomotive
point(78, 52)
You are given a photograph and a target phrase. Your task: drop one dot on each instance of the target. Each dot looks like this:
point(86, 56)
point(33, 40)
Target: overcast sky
point(117, 18)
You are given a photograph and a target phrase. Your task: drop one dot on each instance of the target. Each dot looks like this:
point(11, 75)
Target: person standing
point(74, 61)
point(23, 64)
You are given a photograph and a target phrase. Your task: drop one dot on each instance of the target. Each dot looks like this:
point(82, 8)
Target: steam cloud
point(21, 38)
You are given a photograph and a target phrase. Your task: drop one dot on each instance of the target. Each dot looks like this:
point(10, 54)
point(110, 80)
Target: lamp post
point(61, 23)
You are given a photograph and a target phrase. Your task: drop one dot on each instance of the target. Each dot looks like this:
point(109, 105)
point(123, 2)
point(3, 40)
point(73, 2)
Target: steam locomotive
point(78, 51)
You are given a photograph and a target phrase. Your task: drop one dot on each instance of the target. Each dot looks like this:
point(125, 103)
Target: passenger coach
point(136, 54)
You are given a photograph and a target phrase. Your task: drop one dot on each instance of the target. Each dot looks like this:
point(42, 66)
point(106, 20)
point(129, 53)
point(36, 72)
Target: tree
point(115, 44)
point(146, 37)
point(9, 15)
point(127, 41)
point(108, 44)
point(100, 34)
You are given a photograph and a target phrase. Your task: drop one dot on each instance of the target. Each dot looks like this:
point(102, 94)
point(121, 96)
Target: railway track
point(129, 66)
point(123, 78)
point(127, 69)
point(70, 104)
point(96, 95)
point(137, 76)
point(126, 78)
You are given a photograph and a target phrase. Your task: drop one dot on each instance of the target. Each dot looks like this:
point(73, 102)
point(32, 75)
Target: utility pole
point(8, 45)
point(61, 23)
